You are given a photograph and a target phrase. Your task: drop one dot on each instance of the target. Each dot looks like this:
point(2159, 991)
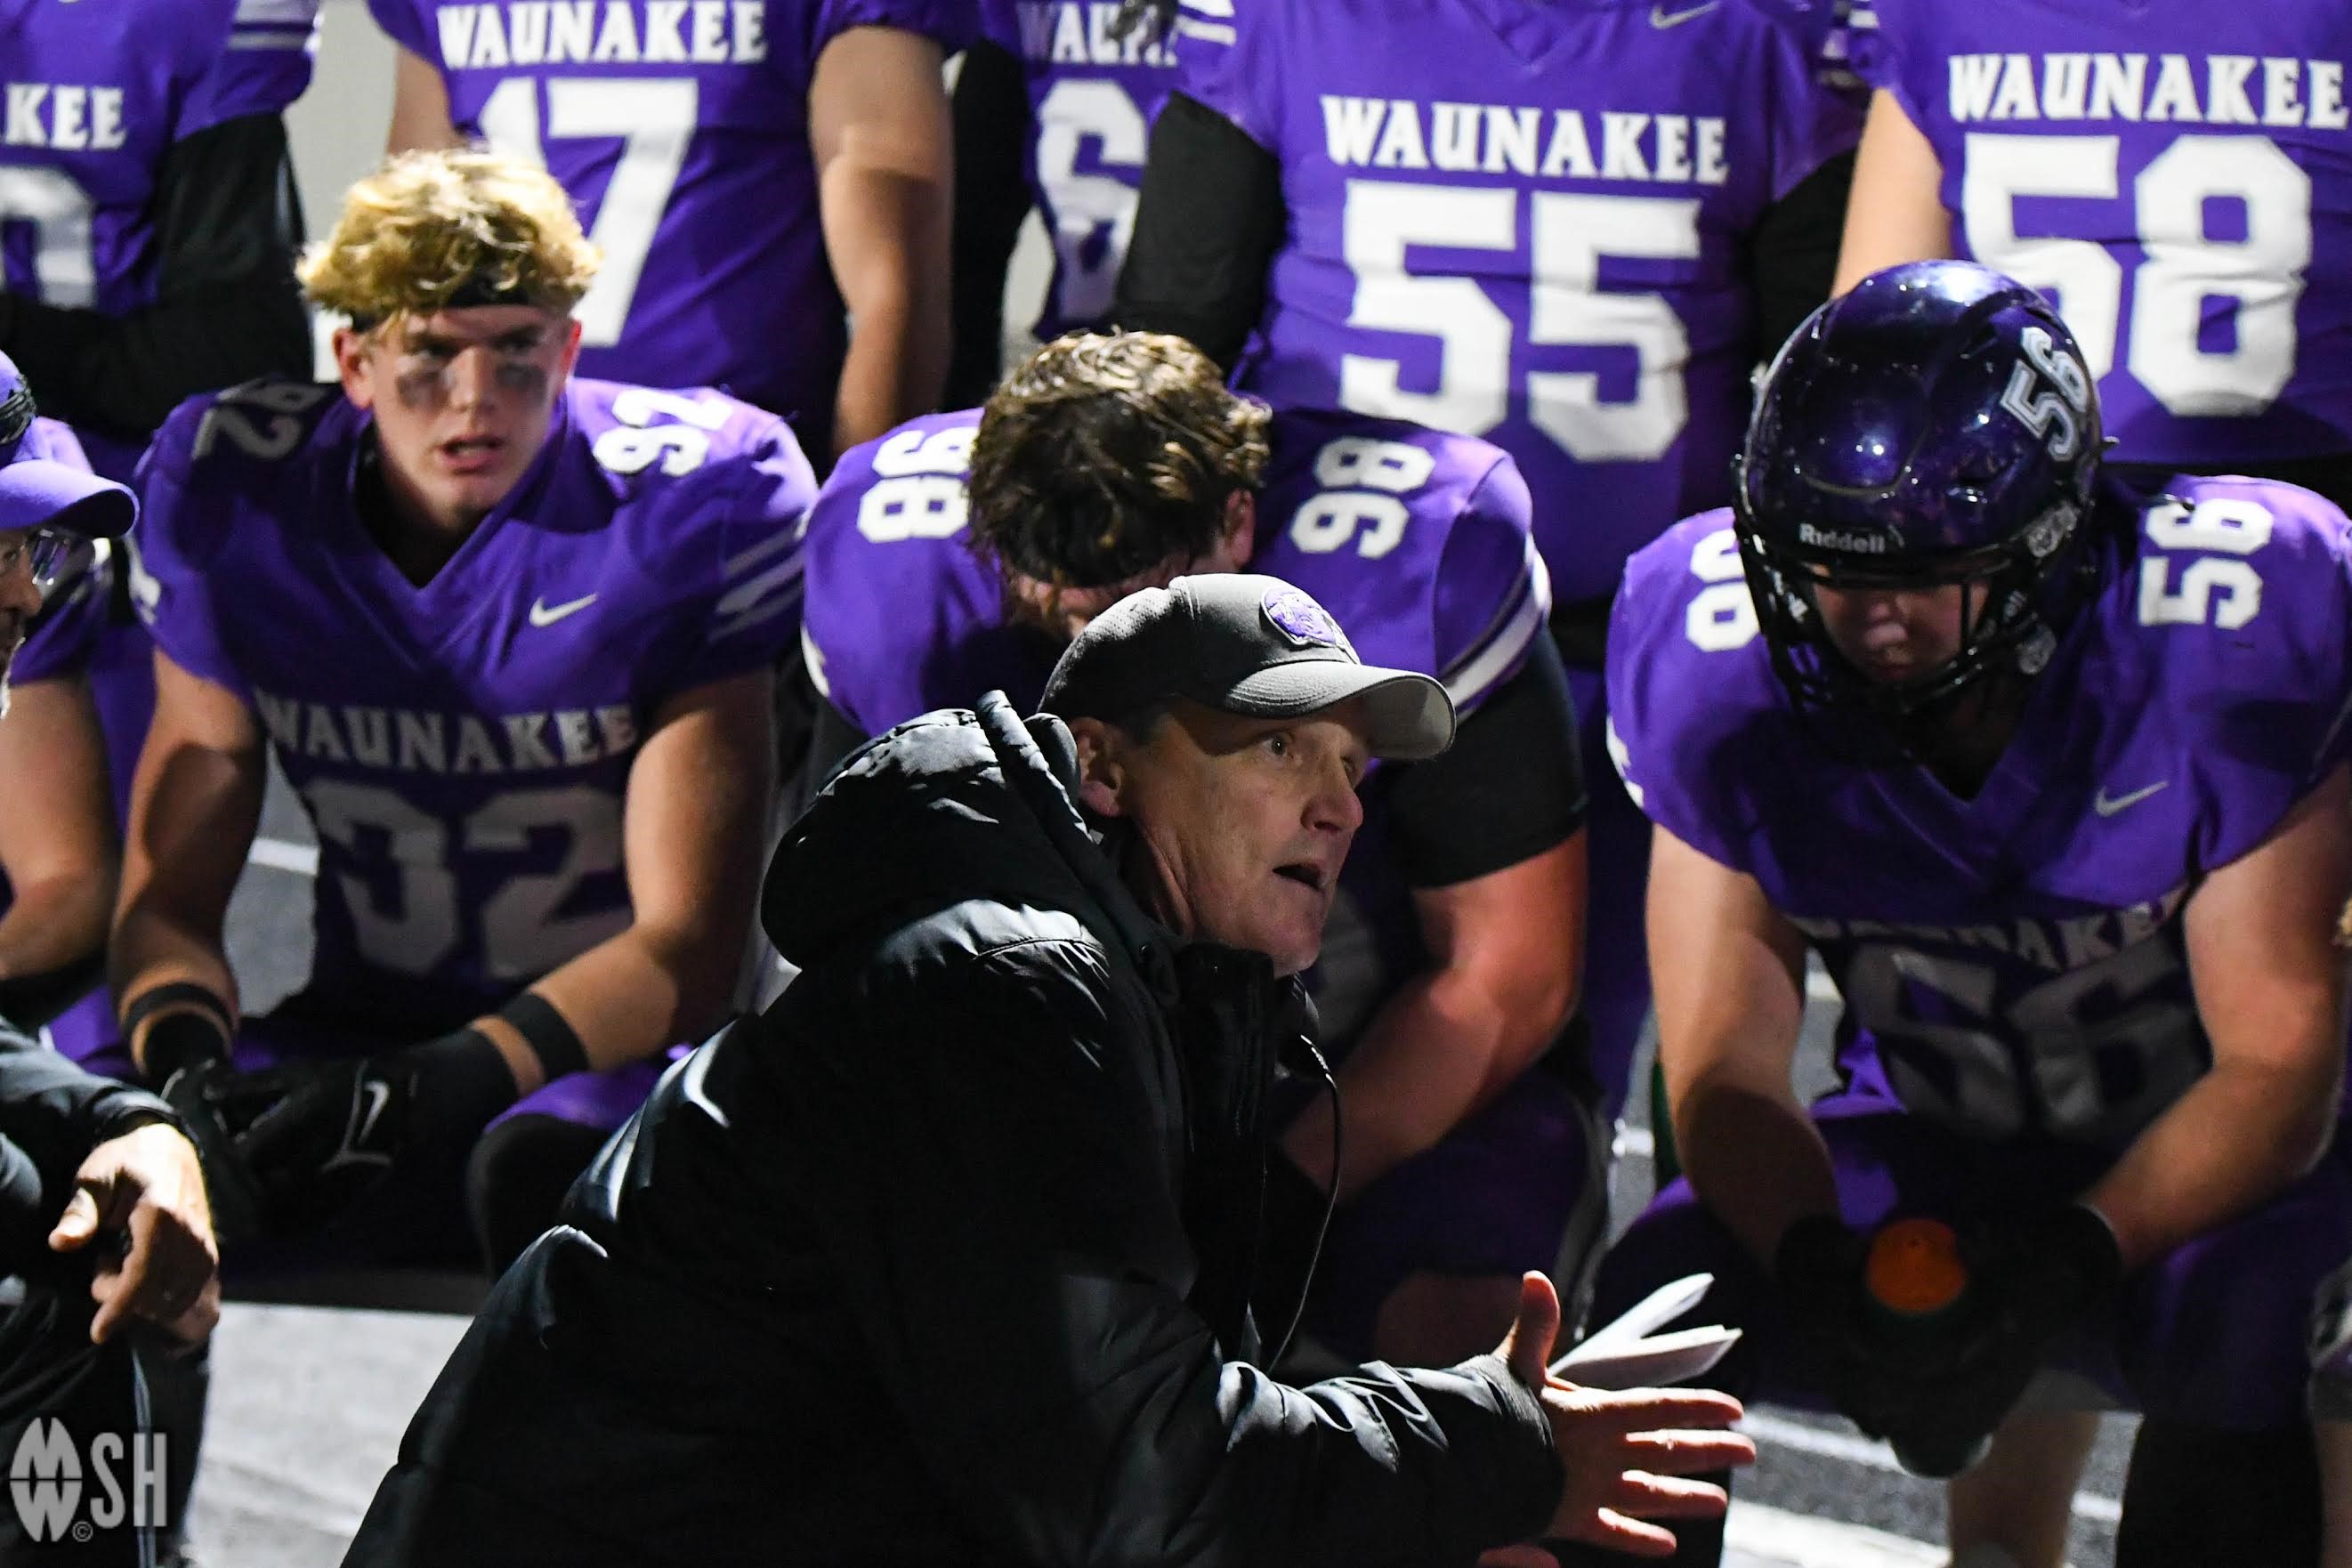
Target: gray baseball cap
point(1247, 645)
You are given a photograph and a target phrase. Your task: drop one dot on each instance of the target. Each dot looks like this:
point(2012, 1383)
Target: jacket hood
point(958, 805)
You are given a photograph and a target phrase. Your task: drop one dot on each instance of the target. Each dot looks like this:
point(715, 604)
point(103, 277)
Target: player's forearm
point(2236, 1138)
point(632, 996)
point(1754, 1158)
point(896, 368)
point(887, 199)
point(55, 922)
point(193, 812)
point(888, 233)
point(1440, 1048)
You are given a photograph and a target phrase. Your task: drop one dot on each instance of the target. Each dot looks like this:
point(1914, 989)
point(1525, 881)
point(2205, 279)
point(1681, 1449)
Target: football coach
point(943, 1259)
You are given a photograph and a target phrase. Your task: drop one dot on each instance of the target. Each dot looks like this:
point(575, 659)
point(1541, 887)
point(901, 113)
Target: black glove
point(188, 1060)
point(1820, 1267)
point(310, 1139)
point(2030, 1278)
point(1936, 1389)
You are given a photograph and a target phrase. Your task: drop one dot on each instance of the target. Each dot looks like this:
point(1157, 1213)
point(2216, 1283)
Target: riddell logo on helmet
point(1837, 538)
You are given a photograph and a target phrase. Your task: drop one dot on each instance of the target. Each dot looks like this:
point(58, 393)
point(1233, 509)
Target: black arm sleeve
point(1510, 787)
point(1792, 257)
point(992, 124)
point(1207, 225)
point(226, 305)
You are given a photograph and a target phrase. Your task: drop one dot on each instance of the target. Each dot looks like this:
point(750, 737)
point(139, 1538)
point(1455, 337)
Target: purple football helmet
point(1937, 425)
point(17, 409)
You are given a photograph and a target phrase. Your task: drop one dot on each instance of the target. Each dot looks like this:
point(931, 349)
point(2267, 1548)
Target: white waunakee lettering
point(597, 32)
point(2196, 90)
point(408, 740)
point(2053, 944)
point(1082, 33)
point(62, 115)
point(1496, 139)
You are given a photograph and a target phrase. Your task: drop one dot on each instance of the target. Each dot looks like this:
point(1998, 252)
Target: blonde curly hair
point(431, 227)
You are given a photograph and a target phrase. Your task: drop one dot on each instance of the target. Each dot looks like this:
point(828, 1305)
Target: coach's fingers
point(1646, 1495)
point(1635, 1538)
point(1658, 1409)
point(78, 1226)
point(1687, 1452)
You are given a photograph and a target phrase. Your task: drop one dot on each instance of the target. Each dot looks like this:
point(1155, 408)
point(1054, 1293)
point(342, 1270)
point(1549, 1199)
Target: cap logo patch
point(1303, 621)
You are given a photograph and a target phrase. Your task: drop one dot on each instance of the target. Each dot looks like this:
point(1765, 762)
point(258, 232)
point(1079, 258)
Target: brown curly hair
point(1106, 456)
point(432, 228)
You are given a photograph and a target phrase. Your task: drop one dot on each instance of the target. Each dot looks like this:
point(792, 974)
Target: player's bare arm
point(1895, 213)
point(2270, 984)
point(194, 805)
point(697, 801)
point(57, 839)
point(420, 106)
point(1506, 949)
point(1729, 977)
point(879, 125)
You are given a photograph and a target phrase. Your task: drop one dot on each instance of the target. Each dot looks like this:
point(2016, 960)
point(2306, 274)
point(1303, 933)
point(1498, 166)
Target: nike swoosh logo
point(543, 614)
point(2106, 806)
point(379, 1095)
point(1662, 18)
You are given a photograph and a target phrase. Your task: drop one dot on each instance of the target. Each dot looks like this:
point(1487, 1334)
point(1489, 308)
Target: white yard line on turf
point(1854, 1449)
point(1754, 1536)
point(1759, 1537)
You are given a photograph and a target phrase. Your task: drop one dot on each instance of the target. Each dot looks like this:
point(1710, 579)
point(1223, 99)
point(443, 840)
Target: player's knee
point(517, 1177)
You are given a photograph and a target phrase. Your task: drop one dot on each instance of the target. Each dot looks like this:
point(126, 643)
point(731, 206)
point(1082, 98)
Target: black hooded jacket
point(901, 1272)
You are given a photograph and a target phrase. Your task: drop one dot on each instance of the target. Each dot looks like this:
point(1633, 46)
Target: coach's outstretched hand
point(1623, 1455)
point(146, 1189)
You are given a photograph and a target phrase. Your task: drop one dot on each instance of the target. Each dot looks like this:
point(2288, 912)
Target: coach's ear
point(1102, 770)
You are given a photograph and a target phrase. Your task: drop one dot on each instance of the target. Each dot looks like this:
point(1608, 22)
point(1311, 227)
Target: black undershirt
point(226, 305)
point(992, 125)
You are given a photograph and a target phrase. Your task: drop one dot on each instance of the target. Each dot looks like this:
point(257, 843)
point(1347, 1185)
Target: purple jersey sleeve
point(1416, 541)
point(901, 617)
point(951, 24)
point(1493, 596)
point(2241, 601)
point(761, 501)
point(263, 68)
point(1223, 51)
point(174, 577)
point(1686, 674)
point(408, 25)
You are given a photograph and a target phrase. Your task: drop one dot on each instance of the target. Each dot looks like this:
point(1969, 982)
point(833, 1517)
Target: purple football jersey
point(2013, 962)
point(2189, 212)
point(1525, 219)
point(463, 748)
point(95, 94)
point(681, 130)
point(1094, 97)
point(1417, 542)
